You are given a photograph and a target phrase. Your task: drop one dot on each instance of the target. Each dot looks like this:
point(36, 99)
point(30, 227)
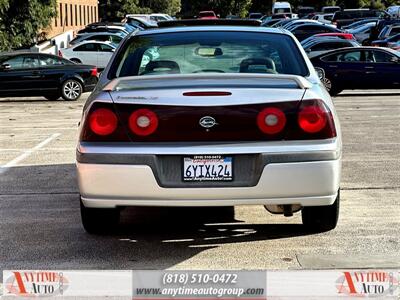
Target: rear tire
point(99, 220)
point(71, 90)
point(321, 218)
point(331, 87)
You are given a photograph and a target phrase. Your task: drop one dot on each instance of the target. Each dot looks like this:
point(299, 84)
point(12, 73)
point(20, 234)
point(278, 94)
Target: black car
point(303, 31)
point(39, 74)
point(349, 16)
point(359, 68)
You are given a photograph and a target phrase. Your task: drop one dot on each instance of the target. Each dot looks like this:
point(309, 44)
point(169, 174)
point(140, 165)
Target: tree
point(116, 9)
point(22, 22)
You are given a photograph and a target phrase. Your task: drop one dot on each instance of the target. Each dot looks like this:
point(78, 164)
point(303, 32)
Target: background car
point(359, 23)
point(389, 30)
point(303, 11)
point(323, 18)
point(330, 9)
point(205, 15)
point(114, 38)
point(255, 16)
point(317, 46)
point(348, 16)
point(139, 22)
point(90, 52)
point(363, 32)
point(105, 28)
point(38, 74)
point(359, 68)
point(388, 42)
point(303, 31)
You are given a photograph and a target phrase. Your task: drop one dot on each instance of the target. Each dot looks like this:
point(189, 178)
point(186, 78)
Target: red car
point(207, 15)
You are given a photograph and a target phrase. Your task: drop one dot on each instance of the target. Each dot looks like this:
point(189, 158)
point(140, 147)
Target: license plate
point(207, 168)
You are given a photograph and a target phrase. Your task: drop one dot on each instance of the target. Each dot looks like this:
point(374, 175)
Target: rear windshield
point(214, 51)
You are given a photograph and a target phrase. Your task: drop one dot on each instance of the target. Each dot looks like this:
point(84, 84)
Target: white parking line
point(27, 153)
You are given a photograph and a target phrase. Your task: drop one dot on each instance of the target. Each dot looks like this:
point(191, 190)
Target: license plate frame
point(217, 175)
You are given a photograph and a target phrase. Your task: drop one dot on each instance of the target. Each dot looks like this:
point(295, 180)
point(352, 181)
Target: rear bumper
point(304, 183)
point(305, 173)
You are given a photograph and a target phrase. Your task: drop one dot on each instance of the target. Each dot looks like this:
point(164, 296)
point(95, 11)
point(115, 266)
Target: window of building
point(91, 13)
point(61, 15)
point(84, 16)
point(71, 16)
point(80, 15)
point(66, 14)
point(76, 15)
point(95, 14)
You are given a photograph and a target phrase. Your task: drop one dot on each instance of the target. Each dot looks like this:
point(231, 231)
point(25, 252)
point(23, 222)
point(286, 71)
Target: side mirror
point(320, 72)
point(5, 67)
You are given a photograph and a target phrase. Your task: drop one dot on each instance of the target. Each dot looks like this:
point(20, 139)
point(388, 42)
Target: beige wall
point(73, 15)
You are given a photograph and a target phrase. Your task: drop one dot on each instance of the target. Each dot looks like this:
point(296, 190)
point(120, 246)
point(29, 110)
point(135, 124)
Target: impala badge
point(207, 122)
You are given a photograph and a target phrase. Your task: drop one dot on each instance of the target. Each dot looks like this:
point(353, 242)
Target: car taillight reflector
point(103, 121)
point(271, 120)
point(93, 72)
point(143, 122)
point(312, 119)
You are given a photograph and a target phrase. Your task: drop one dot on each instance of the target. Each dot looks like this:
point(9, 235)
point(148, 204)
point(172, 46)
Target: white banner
point(67, 283)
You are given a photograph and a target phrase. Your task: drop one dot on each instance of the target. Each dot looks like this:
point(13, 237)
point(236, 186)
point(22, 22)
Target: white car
point(323, 18)
point(222, 116)
point(95, 53)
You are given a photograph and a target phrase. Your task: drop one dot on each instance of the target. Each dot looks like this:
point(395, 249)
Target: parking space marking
point(27, 153)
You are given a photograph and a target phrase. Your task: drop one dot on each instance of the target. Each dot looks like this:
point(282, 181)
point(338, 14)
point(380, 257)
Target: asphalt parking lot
point(39, 209)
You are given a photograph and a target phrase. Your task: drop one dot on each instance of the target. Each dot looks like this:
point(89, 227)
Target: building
point(73, 15)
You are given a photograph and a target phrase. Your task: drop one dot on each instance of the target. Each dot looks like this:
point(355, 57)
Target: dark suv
point(348, 16)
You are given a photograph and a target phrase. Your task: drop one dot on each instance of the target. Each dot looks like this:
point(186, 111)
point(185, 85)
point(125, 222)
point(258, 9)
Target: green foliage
point(114, 9)
point(21, 21)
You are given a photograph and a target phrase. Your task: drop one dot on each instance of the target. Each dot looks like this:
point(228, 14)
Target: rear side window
point(382, 57)
point(202, 52)
point(394, 31)
point(87, 47)
point(353, 56)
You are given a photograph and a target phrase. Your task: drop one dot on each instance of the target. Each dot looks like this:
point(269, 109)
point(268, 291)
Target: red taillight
point(271, 120)
point(93, 72)
point(60, 53)
point(143, 122)
point(103, 121)
point(312, 119)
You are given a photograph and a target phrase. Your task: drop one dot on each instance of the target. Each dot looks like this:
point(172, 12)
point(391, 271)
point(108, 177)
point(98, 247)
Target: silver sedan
point(213, 115)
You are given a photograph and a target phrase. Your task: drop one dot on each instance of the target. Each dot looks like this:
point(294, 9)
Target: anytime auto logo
point(367, 283)
point(35, 283)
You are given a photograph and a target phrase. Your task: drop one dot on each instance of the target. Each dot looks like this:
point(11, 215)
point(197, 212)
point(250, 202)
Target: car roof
point(211, 28)
point(93, 42)
point(17, 53)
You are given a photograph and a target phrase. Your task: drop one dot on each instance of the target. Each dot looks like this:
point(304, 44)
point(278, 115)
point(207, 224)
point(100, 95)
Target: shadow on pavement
point(40, 227)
